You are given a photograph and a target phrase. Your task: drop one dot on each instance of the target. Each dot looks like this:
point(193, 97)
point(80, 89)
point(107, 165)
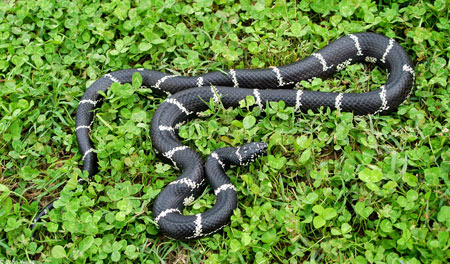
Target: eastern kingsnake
point(265, 85)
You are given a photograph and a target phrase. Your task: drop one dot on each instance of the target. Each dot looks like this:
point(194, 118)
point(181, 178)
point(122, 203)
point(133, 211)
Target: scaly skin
point(266, 85)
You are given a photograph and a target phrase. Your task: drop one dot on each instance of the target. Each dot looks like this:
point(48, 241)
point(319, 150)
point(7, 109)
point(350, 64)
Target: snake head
point(250, 151)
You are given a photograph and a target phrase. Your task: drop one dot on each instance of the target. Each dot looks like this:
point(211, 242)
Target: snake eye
point(249, 152)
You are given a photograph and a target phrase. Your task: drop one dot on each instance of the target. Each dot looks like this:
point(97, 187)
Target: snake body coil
point(265, 85)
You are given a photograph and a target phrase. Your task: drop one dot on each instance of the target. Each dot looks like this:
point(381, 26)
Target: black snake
point(189, 94)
